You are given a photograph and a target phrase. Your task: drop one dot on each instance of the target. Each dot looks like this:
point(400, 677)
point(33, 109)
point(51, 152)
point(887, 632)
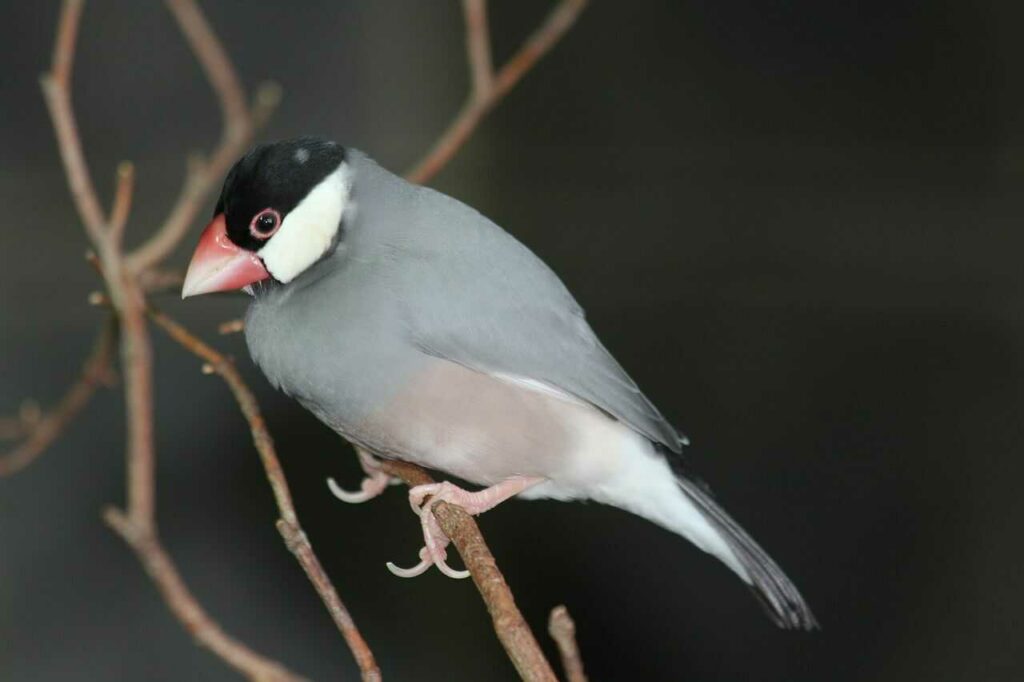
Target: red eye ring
point(265, 223)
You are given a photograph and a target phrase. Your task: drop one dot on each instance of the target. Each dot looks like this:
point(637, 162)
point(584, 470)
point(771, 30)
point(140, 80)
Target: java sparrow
point(419, 330)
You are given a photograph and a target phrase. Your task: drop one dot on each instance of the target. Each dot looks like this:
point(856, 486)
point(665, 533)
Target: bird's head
point(279, 212)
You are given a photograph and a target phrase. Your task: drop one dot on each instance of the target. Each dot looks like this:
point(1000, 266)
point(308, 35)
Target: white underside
point(610, 463)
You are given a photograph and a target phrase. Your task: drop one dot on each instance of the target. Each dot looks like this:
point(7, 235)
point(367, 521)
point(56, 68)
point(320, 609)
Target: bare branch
point(186, 608)
point(556, 25)
point(64, 45)
point(563, 630)
point(137, 364)
point(288, 525)
point(509, 624)
point(478, 45)
point(58, 99)
point(231, 326)
point(239, 125)
point(161, 280)
point(41, 431)
point(486, 92)
point(122, 202)
point(215, 63)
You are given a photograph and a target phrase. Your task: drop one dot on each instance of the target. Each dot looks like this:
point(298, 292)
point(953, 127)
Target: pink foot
point(374, 484)
point(434, 539)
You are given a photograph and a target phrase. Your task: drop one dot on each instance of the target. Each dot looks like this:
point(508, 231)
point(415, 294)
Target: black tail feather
point(770, 585)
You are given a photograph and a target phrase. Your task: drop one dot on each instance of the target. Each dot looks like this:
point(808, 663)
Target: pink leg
point(373, 485)
point(434, 539)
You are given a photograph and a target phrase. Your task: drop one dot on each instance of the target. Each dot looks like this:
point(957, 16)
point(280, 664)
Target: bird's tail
point(780, 597)
point(649, 489)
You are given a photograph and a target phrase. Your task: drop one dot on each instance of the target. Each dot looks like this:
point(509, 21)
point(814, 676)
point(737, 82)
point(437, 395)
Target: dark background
point(796, 224)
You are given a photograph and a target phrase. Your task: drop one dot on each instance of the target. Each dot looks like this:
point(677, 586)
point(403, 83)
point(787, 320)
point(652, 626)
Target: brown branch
point(122, 201)
point(215, 64)
point(288, 524)
point(509, 624)
point(231, 326)
point(186, 608)
point(161, 280)
point(239, 124)
point(58, 100)
point(137, 361)
point(563, 630)
point(42, 430)
point(488, 88)
point(478, 45)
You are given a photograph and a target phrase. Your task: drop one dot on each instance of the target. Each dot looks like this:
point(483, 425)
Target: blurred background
point(796, 224)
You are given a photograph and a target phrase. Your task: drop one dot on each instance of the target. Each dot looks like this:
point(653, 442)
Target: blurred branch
point(240, 122)
point(489, 88)
point(231, 326)
point(509, 624)
point(185, 607)
point(161, 280)
point(288, 524)
point(563, 630)
point(40, 430)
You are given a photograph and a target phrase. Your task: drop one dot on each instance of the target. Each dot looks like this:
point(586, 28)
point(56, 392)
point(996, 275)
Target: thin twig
point(122, 202)
point(486, 91)
point(478, 45)
point(288, 525)
point(239, 124)
point(42, 431)
point(161, 280)
point(215, 64)
point(186, 608)
point(231, 326)
point(513, 632)
point(563, 630)
point(58, 99)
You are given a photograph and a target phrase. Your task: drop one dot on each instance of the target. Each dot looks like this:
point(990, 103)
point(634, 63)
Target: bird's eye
point(265, 223)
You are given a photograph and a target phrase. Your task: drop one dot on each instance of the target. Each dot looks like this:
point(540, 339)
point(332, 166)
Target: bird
point(419, 330)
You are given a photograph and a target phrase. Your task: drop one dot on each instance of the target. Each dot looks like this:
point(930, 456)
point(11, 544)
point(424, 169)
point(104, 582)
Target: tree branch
point(186, 608)
point(122, 202)
point(40, 431)
point(489, 89)
point(58, 99)
point(478, 45)
point(563, 630)
point(239, 124)
point(509, 624)
point(288, 524)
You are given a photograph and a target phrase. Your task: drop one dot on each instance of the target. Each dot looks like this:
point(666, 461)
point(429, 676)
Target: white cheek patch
point(308, 230)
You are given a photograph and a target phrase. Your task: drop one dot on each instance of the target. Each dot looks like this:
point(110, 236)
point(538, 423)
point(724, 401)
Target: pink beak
point(219, 265)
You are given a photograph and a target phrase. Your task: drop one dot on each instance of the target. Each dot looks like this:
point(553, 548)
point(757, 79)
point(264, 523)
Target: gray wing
point(488, 303)
point(558, 348)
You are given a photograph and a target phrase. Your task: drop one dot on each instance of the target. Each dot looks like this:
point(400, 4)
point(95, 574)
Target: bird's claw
point(375, 482)
point(371, 487)
point(435, 541)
